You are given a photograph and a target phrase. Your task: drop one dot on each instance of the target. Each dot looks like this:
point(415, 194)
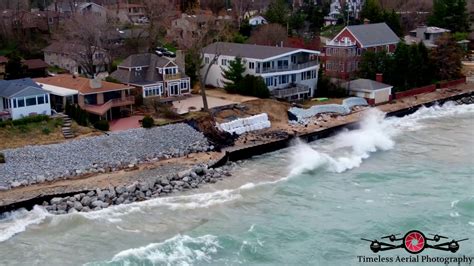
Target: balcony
point(288, 68)
point(103, 108)
point(172, 76)
point(292, 90)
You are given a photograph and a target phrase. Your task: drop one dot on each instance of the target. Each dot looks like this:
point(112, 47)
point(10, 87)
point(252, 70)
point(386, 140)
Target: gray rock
point(131, 188)
point(143, 186)
point(86, 209)
point(97, 203)
point(55, 201)
point(40, 179)
point(86, 201)
point(78, 206)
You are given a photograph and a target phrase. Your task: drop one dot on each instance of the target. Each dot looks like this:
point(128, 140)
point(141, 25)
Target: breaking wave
point(15, 222)
point(178, 250)
point(376, 133)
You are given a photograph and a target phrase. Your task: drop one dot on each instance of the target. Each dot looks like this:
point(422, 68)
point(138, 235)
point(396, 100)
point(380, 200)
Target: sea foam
point(14, 222)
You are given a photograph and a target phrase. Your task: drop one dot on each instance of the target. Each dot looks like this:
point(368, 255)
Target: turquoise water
point(308, 204)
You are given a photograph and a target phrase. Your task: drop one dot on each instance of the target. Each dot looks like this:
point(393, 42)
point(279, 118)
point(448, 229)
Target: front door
point(174, 89)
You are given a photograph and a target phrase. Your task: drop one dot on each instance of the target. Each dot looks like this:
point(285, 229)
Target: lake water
point(308, 204)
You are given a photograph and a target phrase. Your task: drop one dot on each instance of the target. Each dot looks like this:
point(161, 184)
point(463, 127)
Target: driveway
point(126, 123)
point(195, 103)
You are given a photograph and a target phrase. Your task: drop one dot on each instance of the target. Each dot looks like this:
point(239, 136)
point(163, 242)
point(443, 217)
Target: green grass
point(331, 31)
point(170, 47)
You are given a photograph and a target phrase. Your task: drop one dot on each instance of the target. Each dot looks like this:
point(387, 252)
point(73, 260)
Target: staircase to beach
point(66, 128)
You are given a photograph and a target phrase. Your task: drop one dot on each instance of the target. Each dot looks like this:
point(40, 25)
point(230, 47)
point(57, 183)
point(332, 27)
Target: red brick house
point(342, 54)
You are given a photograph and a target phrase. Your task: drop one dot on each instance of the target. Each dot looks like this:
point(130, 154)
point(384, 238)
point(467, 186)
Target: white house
point(22, 97)
point(375, 92)
point(289, 73)
point(257, 20)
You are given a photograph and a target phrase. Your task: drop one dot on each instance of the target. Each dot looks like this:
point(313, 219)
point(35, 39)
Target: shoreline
point(28, 196)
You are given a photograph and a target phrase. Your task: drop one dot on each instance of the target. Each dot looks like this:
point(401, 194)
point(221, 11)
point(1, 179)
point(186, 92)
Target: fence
point(446, 84)
point(425, 89)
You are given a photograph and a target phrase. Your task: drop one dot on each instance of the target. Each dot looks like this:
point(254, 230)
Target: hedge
point(25, 120)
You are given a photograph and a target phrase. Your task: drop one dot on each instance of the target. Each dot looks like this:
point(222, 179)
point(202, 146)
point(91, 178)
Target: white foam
point(179, 250)
point(17, 221)
point(375, 133)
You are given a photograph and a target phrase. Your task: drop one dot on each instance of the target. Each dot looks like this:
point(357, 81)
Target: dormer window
point(138, 68)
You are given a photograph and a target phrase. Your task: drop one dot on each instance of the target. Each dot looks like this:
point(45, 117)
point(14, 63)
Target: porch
point(293, 92)
point(102, 109)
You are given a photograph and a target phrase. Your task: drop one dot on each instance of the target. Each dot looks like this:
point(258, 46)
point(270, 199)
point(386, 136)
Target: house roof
point(35, 64)
point(148, 73)
point(63, 47)
point(20, 88)
point(366, 85)
point(250, 50)
point(432, 30)
point(3, 60)
point(373, 34)
point(80, 84)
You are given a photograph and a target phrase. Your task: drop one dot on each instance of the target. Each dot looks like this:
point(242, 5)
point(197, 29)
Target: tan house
point(104, 99)
point(127, 13)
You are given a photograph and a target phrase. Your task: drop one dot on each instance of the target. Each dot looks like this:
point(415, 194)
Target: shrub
point(148, 122)
point(102, 125)
point(112, 79)
point(25, 120)
point(23, 128)
point(46, 130)
point(2, 158)
point(253, 86)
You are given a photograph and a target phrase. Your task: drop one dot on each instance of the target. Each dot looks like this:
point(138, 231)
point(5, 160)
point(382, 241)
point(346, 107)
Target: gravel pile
point(138, 191)
point(118, 150)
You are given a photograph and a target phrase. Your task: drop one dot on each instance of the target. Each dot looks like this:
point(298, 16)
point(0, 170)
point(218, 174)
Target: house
point(289, 73)
point(343, 52)
point(22, 97)
point(92, 9)
point(127, 13)
point(375, 92)
point(35, 67)
point(334, 13)
point(3, 64)
point(257, 20)
point(97, 97)
point(67, 55)
point(154, 76)
point(427, 35)
point(337, 7)
point(187, 29)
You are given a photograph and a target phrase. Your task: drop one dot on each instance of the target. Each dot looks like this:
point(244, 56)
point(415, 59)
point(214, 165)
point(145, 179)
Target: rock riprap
point(100, 154)
point(138, 191)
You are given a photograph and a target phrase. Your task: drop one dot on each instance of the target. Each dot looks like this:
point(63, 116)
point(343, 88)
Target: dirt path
point(92, 182)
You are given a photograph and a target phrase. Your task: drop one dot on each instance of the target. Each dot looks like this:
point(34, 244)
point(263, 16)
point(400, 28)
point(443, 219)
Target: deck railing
point(288, 68)
point(288, 92)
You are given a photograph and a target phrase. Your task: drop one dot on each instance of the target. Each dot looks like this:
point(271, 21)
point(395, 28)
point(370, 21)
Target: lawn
point(45, 132)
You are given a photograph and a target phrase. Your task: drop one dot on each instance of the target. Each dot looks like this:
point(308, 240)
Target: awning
point(58, 91)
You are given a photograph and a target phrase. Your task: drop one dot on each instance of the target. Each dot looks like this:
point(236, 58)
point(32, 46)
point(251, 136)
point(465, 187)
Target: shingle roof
point(246, 50)
point(20, 88)
point(64, 47)
point(365, 85)
point(374, 34)
point(35, 63)
point(147, 75)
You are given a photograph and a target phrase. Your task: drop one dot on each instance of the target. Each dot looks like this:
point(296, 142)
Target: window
point(14, 103)
point(206, 60)
point(41, 99)
point(21, 102)
point(269, 81)
point(153, 91)
point(224, 62)
point(251, 65)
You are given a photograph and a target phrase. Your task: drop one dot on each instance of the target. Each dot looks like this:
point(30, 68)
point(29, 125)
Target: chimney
point(179, 60)
point(379, 77)
point(366, 21)
point(95, 83)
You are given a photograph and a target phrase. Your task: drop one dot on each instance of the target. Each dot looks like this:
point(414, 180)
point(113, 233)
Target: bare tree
point(269, 34)
point(214, 33)
point(159, 17)
point(90, 38)
point(241, 7)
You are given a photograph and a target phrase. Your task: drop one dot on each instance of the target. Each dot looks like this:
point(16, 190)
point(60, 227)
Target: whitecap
point(14, 222)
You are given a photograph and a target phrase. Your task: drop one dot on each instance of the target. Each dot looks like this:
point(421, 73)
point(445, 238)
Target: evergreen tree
point(233, 75)
point(447, 58)
point(14, 69)
point(277, 12)
point(254, 86)
point(450, 14)
point(373, 63)
point(372, 11)
point(393, 21)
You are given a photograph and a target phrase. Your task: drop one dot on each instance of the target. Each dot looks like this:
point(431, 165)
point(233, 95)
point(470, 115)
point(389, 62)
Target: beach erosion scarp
point(173, 181)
